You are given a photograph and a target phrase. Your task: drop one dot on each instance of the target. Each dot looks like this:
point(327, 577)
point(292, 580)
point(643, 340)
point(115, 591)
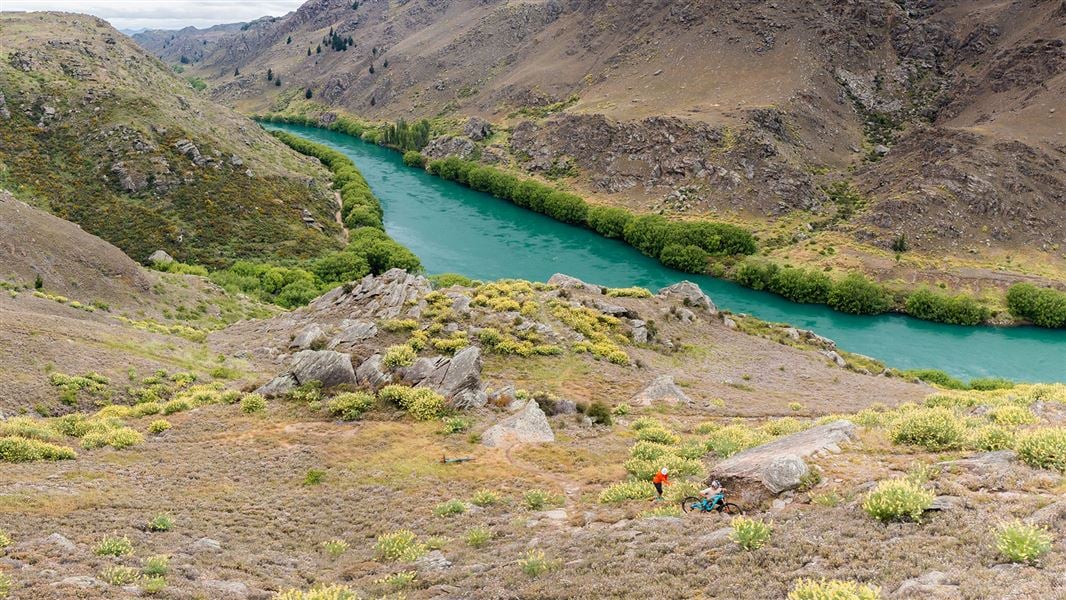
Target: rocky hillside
point(102, 134)
point(940, 122)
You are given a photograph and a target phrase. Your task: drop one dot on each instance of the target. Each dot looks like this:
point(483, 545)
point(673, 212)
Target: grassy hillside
point(102, 134)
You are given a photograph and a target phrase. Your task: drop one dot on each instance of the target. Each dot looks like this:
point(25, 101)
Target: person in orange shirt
point(659, 480)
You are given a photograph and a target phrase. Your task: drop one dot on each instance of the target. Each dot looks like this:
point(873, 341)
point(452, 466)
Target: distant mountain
point(104, 135)
point(873, 124)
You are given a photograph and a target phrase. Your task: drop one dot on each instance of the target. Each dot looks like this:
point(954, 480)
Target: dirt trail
point(570, 488)
point(338, 217)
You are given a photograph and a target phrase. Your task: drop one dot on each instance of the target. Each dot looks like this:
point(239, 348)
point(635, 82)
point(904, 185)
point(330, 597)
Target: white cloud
point(162, 14)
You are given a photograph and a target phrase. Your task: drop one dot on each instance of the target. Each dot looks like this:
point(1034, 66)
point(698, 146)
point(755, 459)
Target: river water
point(454, 229)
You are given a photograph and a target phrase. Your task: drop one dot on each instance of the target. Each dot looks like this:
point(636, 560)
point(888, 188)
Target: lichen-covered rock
point(353, 332)
point(325, 366)
point(572, 283)
point(527, 426)
point(762, 471)
point(457, 378)
point(689, 294)
point(372, 373)
point(307, 337)
point(662, 389)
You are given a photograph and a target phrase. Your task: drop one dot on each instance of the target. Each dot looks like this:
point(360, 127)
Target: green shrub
point(935, 377)
point(113, 546)
point(449, 508)
point(627, 490)
point(17, 449)
point(399, 356)
point(1011, 415)
point(414, 158)
point(645, 450)
point(445, 280)
point(478, 537)
point(155, 566)
point(535, 564)
point(857, 295)
point(832, 589)
point(727, 441)
point(986, 384)
point(5, 583)
point(689, 259)
point(1041, 306)
point(991, 437)
point(399, 325)
point(750, 534)
point(896, 500)
point(608, 221)
point(1021, 542)
point(485, 498)
point(314, 476)
point(537, 499)
point(1044, 448)
point(335, 547)
point(801, 285)
point(399, 546)
point(935, 429)
point(332, 592)
point(161, 522)
point(159, 426)
point(253, 403)
point(175, 406)
point(455, 425)
point(599, 412)
point(350, 406)
point(678, 466)
point(932, 306)
point(425, 404)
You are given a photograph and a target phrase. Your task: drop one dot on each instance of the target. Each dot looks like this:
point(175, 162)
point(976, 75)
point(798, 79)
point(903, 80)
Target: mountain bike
point(716, 503)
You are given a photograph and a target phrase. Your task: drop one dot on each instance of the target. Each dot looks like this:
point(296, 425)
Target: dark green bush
point(932, 306)
point(937, 377)
point(858, 295)
point(1041, 306)
point(608, 221)
point(801, 285)
point(444, 280)
point(599, 412)
point(756, 274)
point(690, 259)
point(566, 207)
point(340, 267)
point(380, 251)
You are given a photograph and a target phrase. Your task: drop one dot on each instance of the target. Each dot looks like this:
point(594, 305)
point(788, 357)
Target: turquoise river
point(458, 230)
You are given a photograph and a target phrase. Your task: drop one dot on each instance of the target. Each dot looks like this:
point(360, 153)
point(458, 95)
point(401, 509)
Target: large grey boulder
point(934, 585)
point(386, 296)
point(372, 373)
point(572, 283)
point(760, 472)
point(307, 337)
point(325, 366)
point(527, 426)
point(457, 378)
point(353, 332)
point(689, 294)
point(662, 389)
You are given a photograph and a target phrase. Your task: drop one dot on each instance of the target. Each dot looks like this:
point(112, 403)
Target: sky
point(162, 14)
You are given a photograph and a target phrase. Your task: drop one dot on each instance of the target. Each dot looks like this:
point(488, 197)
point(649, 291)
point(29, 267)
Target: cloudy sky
point(162, 14)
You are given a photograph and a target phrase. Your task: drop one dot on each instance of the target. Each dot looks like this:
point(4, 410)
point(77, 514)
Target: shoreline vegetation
point(701, 247)
point(369, 250)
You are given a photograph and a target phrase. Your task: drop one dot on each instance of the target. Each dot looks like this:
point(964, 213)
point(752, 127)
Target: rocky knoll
point(760, 472)
point(529, 425)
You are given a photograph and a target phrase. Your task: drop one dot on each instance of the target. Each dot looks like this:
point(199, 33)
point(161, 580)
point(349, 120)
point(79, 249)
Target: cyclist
point(709, 493)
point(659, 480)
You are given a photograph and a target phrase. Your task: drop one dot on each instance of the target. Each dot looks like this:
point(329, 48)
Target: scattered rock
point(836, 358)
point(446, 145)
point(572, 283)
point(225, 589)
point(881, 150)
point(639, 331)
point(60, 542)
point(160, 257)
point(190, 150)
point(307, 337)
point(477, 129)
point(385, 296)
point(529, 425)
point(690, 295)
point(282, 384)
point(1050, 515)
point(947, 503)
point(778, 465)
point(730, 323)
point(433, 561)
point(931, 586)
point(615, 310)
point(205, 544)
point(661, 389)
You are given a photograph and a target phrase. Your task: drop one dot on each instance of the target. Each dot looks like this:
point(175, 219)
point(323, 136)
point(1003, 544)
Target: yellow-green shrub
point(731, 439)
point(1044, 448)
point(750, 534)
point(159, 426)
point(123, 437)
point(990, 437)
point(399, 356)
point(331, 592)
point(399, 546)
point(833, 589)
point(253, 403)
point(1011, 415)
point(897, 499)
point(350, 406)
point(934, 429)
point(1021, 542)
point(678, 466)
point(425, 404)
point(658, 435)
point(633, 489)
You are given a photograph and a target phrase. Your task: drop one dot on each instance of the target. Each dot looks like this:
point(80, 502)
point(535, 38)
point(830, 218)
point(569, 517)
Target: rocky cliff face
point(941, 114)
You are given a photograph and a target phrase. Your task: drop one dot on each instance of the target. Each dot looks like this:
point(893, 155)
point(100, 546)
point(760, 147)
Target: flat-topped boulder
point(662, 389)
point(527, 426)
point(760, 472)
point(690, 295)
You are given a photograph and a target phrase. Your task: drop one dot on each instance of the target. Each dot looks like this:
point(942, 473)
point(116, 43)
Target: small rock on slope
point(528, 425)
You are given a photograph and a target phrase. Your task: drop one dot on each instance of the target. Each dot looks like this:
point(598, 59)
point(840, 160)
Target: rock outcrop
point(572, 283)
point(325, 366)
point(457, 378)
point(160, 257)
point(385, 296)
point(527, 426)
point(757, 473)
point(662, 389)
point(353, 332)
point(307, 337)
point(690, 295)
point(477, 129)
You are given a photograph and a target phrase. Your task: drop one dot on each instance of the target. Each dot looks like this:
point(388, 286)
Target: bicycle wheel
point(690, 504)
point(731, 509)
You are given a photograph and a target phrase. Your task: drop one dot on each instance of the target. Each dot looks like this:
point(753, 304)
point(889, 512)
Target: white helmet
point(664, 471)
